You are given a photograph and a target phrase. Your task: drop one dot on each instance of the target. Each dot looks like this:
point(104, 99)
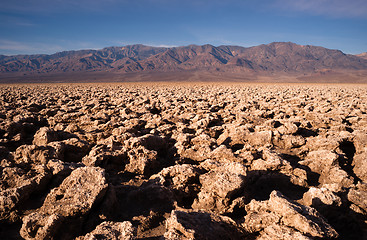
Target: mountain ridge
point(284, 58)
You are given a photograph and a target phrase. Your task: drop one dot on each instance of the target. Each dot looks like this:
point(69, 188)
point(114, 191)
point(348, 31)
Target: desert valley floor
point(183, 161)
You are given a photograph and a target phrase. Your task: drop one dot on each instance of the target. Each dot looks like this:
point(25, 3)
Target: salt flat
point(183, 160)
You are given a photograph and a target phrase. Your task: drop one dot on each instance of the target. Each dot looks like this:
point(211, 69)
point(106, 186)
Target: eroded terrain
point(183, 161)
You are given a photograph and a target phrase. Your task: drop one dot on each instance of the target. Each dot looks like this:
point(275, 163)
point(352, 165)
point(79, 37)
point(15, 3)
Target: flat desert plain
point(183, 161)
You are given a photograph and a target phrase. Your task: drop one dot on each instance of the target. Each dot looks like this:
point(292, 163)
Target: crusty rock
point(185, 225)
point(203, 140)
point(358, 196)
point(182, 179)
point(152, 142)
point(58, 167)
point(40, 226)
point(321, 196)
point(262, 138)
point(79, 192)
point(139, 204)
point(360, 163)
point(218, 187)
point(19, 186)
point(222, 153)
point(101, 156)
point(199, 150)
point(288, 128)
point(142, 161)
point(112, 230)
point(273, 162)
point(72, 199)
point(282, 232)
point(325, 163)
point(320, 160)
point(33, 154)
point(291, 141)
point(360, 140)
point(280, 211)
point(178, 176)
point(234, 134)
point(75, 149)
point(337, 178)
point(44, 136)
point(321, 142)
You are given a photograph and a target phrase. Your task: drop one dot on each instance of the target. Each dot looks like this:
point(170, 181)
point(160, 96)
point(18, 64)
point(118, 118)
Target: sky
point(50, 26)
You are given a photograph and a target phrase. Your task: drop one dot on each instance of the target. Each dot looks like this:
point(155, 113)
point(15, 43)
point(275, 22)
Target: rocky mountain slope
point(273, 58)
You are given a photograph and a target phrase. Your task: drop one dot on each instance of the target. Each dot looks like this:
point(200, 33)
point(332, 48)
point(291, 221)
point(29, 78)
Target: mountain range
point(271, 60)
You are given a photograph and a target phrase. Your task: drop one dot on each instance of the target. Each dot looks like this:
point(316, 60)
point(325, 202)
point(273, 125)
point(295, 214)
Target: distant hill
point(278, 58)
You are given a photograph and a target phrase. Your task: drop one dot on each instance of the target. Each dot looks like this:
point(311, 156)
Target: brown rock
point(102, 156)
point(359, 165)
point(321, 196)
point(282, 232)
point(262, 138)
point(72, 199)
point(358, 196)
point(360, 140)
point(185, 225)
point(32, 154)
point(58, 167)
point(44, 136)
point(321, 142)
point(75, 149)
point(320, 160)
point(280, 211)
point(19, 186)
point(218, 187)
point(142, 161)
point(113, 231)
point(182, 179)
point(288, 128)
point(222, 153)
point(178, 176)
point(337, 178)
point(152, 142)
point(291, 141)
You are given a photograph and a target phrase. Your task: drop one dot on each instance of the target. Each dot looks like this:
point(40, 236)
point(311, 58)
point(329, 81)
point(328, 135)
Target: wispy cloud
point(10, 47)
point(333, 8)
point(16, 21)
point(163, 45)
point(47, 6)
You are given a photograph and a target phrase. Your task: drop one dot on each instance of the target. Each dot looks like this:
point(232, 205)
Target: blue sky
point(49, 26)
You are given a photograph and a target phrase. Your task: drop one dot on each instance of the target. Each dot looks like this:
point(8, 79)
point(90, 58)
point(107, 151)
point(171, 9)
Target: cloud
point(10, 47)
point(14, 47)
point(15, 21)
point(333, 8)
point(47, 6)
point(163, 45)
